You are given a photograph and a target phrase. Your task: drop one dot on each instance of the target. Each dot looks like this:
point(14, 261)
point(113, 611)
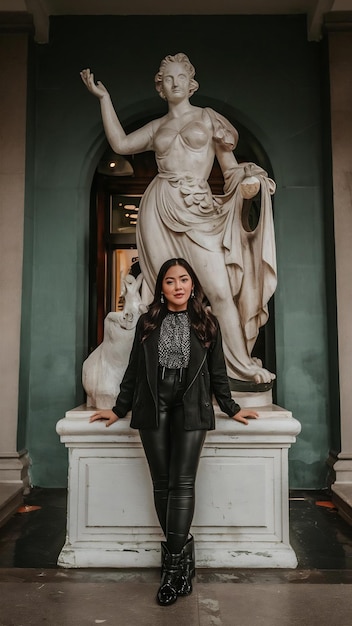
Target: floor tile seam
point(126, 583)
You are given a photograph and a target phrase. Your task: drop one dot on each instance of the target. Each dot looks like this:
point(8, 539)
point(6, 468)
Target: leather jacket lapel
point(150, 346)
point(198, 354)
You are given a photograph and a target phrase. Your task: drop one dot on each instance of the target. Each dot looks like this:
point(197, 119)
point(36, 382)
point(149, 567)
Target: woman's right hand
point(106, 414)
point(97, 89)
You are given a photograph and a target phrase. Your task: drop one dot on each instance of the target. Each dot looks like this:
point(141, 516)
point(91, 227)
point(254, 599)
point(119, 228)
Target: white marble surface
point(103, 370)
point(241, 516)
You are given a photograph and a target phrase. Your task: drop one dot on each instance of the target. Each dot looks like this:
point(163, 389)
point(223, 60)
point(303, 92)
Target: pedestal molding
point(14, 468)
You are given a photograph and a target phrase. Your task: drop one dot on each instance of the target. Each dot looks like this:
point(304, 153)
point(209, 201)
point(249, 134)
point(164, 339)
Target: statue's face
point(175, 82)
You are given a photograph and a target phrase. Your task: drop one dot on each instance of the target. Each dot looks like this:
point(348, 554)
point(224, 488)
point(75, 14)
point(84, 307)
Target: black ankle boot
point(167, 593)
point(187, 569)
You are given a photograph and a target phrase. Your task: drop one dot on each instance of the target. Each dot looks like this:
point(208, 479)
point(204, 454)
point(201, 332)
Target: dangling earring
point(162, 298)
point(192, 292)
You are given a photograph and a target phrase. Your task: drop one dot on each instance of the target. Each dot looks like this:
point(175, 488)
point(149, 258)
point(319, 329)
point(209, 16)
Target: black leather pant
point(173, 456)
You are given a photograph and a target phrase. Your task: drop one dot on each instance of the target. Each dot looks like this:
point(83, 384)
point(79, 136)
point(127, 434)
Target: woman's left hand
point(107, 414)
point(243, 414)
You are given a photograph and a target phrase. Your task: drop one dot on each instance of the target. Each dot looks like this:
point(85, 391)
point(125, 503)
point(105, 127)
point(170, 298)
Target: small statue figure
point(104, 368)
point(179, 216)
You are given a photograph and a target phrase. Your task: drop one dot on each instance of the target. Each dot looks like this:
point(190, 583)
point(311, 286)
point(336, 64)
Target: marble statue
point(104, 368)
point(179, 216)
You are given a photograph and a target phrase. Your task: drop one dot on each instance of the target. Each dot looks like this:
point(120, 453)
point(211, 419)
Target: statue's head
point(183, 59)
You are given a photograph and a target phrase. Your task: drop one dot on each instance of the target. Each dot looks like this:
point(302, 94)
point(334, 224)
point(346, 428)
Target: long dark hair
point(202, 320)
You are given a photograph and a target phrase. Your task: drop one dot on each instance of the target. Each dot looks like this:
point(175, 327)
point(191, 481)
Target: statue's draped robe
point(179, 217)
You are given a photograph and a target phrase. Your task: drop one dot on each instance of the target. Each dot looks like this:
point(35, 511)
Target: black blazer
point(206, 375)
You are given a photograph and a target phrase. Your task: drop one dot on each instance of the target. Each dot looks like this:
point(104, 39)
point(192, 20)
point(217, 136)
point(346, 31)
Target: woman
point(178, 215)
point(176, 364)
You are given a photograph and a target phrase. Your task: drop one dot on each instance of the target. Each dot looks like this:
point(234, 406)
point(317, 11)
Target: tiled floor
point(33, 591)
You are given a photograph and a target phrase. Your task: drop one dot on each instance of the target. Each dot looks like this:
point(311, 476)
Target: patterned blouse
point(174, 345)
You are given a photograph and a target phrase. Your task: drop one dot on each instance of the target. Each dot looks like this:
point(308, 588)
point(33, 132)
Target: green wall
point(261, 68)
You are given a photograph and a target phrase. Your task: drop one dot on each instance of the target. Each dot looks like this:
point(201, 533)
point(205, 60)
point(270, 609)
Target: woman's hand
point(243, 413)
point(97, 89)
point(107, 414)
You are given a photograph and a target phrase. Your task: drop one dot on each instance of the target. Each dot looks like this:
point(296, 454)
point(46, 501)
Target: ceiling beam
point(315, 18)
point(40, 19)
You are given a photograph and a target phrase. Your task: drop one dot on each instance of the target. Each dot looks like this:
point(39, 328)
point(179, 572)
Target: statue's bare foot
point(258, 373)
point(261, 375)
point(254, 372)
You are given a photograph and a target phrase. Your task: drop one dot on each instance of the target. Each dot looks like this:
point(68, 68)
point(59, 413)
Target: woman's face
point(176, 287)
point(175, 82)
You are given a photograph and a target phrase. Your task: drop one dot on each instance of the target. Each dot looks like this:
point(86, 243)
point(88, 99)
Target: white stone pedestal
point(241, 517)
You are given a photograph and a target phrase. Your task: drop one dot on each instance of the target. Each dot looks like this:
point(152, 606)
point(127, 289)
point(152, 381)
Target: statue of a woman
point(179, 216)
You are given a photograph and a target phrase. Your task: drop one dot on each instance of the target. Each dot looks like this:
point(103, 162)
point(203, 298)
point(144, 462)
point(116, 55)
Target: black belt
point(171, 371)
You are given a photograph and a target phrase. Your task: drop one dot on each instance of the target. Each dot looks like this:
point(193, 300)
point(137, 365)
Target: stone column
point(340, 58)
point(13, 72)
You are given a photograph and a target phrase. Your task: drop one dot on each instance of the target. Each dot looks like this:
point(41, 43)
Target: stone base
point(241, 516)
point(14, 468)
point(10, 499)
point(342, 487)
point(342, 499)
point(218, 554)
point(14, 482)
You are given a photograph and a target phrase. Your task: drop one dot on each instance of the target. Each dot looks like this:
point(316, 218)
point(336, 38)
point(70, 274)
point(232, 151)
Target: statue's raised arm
point(139, 141)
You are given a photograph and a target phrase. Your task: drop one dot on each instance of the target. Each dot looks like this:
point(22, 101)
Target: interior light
point(113, 164)
point(130, 207)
